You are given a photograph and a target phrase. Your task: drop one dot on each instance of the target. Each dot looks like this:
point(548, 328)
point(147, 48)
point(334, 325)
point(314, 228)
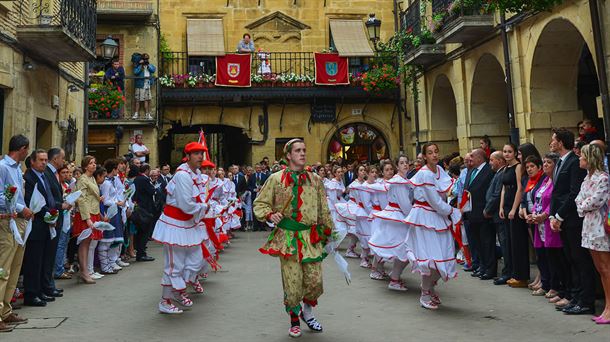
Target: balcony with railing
point(422, 47)
point(124, 10)
point(279, 76)
point(461, 21)
point(58, 30)
point(109, 104)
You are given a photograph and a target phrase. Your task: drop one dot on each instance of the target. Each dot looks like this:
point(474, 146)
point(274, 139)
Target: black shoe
point(468, 269)
point(501, 281)
point(486, 277)
point(145, 258)
point(565, 307)
point(476, 274)
point(579, 310)
point(34, 302)
point(54, 293)
point(47, 298)
point(60, 290)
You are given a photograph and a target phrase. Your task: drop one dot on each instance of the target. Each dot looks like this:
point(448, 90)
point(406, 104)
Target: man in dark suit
point(256, 181)
point(145, 199)
point(564, 218)
point(349, 177)
point(239, 180)
point(481, 235)
point(491, 211)
point(57, 159)
point(40, 248)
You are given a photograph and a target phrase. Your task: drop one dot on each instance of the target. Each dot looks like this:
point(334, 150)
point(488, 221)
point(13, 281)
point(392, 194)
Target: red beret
point(207, 163)
point(194, 147)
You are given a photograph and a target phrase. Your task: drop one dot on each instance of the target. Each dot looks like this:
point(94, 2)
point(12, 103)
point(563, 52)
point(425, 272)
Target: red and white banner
point(233, 70)
point(331, 69)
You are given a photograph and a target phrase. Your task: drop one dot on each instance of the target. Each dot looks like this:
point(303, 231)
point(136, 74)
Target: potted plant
point(380, 78)
point(105, 101)
point(191, 80)
point(257, 79)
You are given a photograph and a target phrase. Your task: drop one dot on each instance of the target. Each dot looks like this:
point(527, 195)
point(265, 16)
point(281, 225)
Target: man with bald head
point(492, 206)
point(480, 232)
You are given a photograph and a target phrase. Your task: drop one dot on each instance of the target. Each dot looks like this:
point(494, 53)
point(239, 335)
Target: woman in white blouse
point(592, 204)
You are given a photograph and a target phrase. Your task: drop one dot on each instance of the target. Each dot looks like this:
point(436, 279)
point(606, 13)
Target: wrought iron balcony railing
point(294, 68)
point(59, 30)
point(455, 21)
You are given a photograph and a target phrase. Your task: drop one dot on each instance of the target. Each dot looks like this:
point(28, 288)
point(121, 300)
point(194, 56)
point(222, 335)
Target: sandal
point(551, 294)
point(538, 292)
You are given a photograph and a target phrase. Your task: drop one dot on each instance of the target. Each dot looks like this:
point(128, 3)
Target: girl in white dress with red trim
point(430, 246)
point(363, 226)
point(379, 200)
point(334, 193)
point(388, 239)
point(351, 212)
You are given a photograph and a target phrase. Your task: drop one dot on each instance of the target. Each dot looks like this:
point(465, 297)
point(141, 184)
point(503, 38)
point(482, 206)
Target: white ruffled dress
point(378, 197)
point(429, 241)
point(348, 212)
point(388, 238)
point(182, 193)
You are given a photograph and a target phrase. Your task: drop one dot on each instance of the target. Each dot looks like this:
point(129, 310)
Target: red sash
point(394, 205)
point(176, 213)
point(210, 224)
point(377, 207)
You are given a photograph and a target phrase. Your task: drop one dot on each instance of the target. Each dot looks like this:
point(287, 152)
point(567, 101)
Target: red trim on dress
point(427, 227)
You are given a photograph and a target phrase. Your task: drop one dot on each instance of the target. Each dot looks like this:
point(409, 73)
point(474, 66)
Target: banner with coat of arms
point(331, 69)
point(233, 70)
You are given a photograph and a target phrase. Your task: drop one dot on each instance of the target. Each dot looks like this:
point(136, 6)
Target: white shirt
point(139, 148)
point(147, 80)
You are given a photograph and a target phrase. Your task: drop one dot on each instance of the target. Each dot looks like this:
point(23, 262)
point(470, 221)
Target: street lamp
point(109, 47)
point(372, 25)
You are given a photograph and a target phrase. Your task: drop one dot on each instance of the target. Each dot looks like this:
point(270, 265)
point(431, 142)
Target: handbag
point(141, 217)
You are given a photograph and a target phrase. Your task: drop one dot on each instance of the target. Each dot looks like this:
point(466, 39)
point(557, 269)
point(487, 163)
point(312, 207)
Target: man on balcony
point(116, 76)
point(144, 79)
point(246, 45)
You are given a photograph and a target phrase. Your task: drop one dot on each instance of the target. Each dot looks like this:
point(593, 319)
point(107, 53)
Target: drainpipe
point(86, 111)
point(514, 131)
point(601, 65)
point(416, 112)
point(399, 99)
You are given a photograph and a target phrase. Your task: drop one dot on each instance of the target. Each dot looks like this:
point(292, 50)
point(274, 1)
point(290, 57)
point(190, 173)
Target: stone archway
point(488, 102)
point(443, 116)
point(563, 81)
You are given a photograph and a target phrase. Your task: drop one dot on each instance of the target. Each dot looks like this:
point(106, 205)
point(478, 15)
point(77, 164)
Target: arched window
point(358, 142)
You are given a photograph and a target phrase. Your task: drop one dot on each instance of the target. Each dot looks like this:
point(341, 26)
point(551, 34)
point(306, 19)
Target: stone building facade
point(243, 126)
point(463, 94)
point(41, 89)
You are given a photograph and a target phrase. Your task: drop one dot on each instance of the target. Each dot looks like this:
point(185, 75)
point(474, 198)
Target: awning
point(205, 37)
point(350, 38)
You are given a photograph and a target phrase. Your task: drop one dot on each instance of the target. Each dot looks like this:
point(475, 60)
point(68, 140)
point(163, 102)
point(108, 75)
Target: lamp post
point(109, 47)
point(373, 25)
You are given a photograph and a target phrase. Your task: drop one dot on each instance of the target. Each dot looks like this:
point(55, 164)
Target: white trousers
point(182, 265)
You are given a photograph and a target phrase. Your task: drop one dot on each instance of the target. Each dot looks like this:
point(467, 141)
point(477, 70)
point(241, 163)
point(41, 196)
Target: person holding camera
point(143, 71)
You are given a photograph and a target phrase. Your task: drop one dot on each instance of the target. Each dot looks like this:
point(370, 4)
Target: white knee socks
point(307, 312)
point(91, 255)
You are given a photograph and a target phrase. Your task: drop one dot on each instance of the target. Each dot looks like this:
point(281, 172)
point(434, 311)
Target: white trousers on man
point(182, 266)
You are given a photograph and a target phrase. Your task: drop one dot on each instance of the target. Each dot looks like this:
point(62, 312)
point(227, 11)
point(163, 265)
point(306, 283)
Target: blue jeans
point(62, 246)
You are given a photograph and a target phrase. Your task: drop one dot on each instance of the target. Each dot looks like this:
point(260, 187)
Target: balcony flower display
point(355, 78)
point(105, 101)
point(380, 78)
point(167, 81)
point(181, 80)
point(205, 80)
point(191, 80)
